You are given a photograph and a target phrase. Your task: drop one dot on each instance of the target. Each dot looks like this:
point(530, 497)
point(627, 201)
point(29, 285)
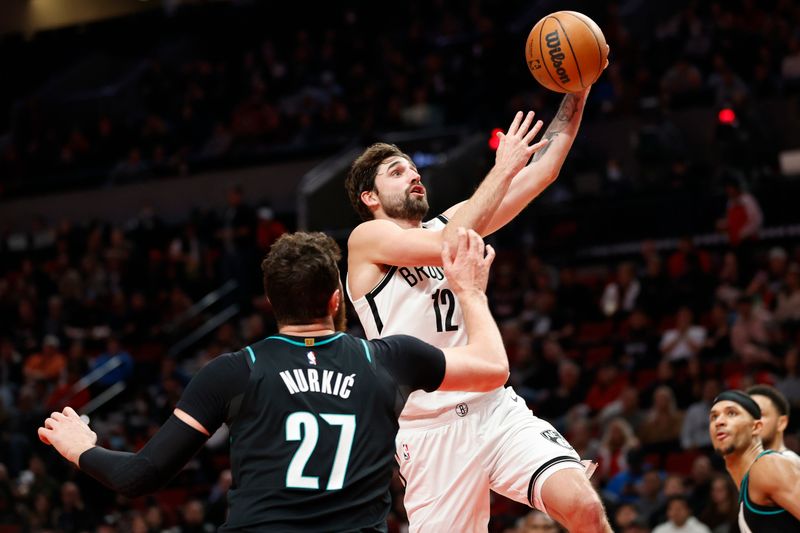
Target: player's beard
point(409, 207)
point(340, 317)
point(725, 451)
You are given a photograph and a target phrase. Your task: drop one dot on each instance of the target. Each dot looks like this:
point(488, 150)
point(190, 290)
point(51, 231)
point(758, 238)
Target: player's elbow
point(495, 376)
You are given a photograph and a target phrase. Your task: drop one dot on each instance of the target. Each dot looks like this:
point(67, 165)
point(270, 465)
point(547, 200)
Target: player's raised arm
point(513, 153)
point(546, 163)
point(482, 364)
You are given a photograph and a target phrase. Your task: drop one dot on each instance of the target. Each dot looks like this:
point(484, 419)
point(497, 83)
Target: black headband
point(737, 396)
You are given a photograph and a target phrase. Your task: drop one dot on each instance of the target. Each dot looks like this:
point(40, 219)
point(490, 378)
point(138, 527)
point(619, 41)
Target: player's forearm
point(482, 330)
point(546, 164)
point(478, 211)
point(136, 474)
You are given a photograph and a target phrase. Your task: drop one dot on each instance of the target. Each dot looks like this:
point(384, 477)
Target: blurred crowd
point(623, 356)
point(234, 83)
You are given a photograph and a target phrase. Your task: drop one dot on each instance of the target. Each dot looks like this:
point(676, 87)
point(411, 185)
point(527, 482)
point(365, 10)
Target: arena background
point(150, 152)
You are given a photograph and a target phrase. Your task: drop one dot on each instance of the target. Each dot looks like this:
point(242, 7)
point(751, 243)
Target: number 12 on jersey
point(446, 298)
point(309, 435)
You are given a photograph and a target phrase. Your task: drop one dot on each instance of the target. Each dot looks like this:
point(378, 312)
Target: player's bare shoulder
point(364, 270)
point(771, 471)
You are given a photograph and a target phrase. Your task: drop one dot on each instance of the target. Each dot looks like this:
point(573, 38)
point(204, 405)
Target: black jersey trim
point(545, 466)
point(383, 282)
point(370, 297)
point(443, 219)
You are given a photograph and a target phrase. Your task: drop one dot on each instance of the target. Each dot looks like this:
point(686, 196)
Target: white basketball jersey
point(417, 301)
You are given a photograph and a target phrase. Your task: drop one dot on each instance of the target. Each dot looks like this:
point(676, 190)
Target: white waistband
point(472, 407)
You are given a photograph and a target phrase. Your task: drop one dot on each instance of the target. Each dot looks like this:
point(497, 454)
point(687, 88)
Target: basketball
point(566, 51)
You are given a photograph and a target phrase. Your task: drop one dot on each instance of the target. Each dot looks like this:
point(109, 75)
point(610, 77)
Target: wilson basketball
point(566, 51)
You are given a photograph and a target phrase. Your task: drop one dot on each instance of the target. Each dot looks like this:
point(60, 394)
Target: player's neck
point(738, 464)
point(314, 329)
point(403, 223)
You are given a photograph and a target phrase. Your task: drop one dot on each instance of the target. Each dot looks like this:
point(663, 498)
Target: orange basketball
point(566, 51)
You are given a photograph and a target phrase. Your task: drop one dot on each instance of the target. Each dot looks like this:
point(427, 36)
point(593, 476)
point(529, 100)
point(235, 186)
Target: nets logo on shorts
point(462, 409)
point(554, 436)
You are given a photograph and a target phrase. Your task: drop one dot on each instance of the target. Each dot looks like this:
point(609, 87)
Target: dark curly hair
point(361, 176)
point(300, 275)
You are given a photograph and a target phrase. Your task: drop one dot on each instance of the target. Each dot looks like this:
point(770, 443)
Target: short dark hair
point(679, 498)
point(300, 275)
point(775, 396)
point(361, 176)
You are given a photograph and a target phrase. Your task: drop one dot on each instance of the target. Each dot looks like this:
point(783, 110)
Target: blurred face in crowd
point(731, 427)
point(720, 491)
point(773, 422)
point(678, 512)
point(537, 522)
point(625, 515)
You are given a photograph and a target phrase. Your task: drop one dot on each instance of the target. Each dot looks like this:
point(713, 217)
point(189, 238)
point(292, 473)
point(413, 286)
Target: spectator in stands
point(46, 365)
point(694, 433)
point(625, 407)
point(686, 257)
point(717, 346)
point(607, 387)
point(638, 342)
point(620, 295)
point(567, 394)
point(268, 228)
point(751, 334)
point(661, 429)
point(680, 519)
point(617, 441)
point(685, 340)
point(700, 483)
point(194, 520)
point(743, 220)
point(579, 435)
point(71, 513)
point(789, 384)
point(124, 369)
point(10, 372)
point(787, 309)
point(657, 293)
point(770, 281)
point(537, 521)
point(730, 285)
point(722, 509)
point(624, 516)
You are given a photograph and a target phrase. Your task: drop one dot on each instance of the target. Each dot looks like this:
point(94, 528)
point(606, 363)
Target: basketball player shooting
point(312, 412)
point(453, 447)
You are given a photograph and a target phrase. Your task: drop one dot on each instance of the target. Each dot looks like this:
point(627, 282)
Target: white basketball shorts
point(450, 462)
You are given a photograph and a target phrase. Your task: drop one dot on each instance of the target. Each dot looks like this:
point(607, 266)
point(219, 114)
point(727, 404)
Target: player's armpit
point(383, 242)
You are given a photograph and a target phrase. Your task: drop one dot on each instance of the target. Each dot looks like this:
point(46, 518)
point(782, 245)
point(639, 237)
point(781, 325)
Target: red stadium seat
point(595, 331)
point(680, 462)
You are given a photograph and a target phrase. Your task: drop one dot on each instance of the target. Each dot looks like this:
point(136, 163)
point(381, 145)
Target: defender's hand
point(68, 434)
point(468, 271)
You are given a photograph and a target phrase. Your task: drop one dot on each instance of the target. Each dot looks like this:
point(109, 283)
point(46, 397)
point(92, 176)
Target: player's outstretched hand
point(68, 434)
point(515, 148)
point(468, 270)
